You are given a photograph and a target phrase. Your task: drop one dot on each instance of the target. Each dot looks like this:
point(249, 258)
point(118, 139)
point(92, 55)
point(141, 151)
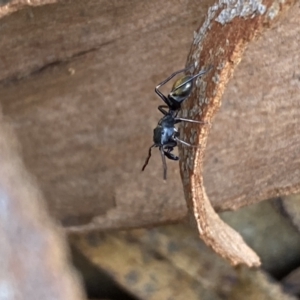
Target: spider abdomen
point(182, 88)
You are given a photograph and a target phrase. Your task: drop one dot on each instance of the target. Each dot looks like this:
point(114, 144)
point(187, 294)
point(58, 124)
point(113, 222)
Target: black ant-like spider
point(166, 135)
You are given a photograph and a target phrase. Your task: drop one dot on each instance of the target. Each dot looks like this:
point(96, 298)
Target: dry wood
point(33, 256)
point(253, 147)
point(221, 42)
point(77, 82)
point(83, 105)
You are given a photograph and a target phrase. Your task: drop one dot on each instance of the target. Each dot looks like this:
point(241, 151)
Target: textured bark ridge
point(220, 41)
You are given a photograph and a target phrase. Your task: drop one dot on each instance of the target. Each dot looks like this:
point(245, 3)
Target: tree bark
point(77, 85)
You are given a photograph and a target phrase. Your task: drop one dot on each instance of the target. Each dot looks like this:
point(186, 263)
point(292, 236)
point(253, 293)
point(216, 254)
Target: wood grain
point(33, 253)
point(77, 84)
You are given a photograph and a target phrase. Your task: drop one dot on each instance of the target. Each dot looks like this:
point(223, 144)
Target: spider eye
point(182, 88)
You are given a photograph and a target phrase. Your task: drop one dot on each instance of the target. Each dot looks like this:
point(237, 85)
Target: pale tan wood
point(253, 147)
point(33, 254)
point(77, 84)
point(85, 115)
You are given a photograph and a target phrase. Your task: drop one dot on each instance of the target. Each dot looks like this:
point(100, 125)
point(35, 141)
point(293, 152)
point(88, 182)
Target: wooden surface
point(33, 254)
point(85, 124)
point(221, 42)
point(77, 84)
point(253, 147)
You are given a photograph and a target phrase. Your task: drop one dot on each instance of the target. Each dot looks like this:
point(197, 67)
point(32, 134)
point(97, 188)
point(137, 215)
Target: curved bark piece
point(253, 147)
point(220, 42)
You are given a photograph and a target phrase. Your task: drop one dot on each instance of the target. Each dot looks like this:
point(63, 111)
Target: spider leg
point(161, 109)
point(185, 143)
point(148, 158)
point(165, 152)
point(178, 120)
point(169, 148)
point(163, 158)
point(170, 155)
